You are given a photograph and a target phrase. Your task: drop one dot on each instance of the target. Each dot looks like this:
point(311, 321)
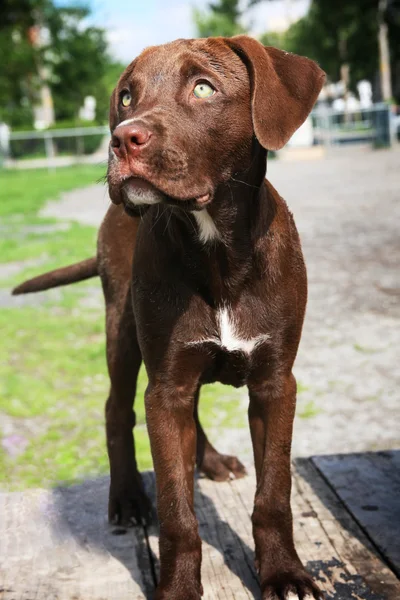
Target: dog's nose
point(130, 139)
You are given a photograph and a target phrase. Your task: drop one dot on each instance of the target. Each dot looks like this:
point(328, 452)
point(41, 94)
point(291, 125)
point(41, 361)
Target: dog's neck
point(225, 253)
point(233, 217)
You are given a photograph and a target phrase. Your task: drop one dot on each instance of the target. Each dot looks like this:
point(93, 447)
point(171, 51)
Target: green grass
point(54, 382)
point(301, 388)
point(25, 192)
point(66, 247)
point(22, 195)
point(308, 410)
point(53, 376)
point(364, 349)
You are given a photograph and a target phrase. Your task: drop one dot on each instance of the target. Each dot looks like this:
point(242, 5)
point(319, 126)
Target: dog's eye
point(126, 99)
point(203, 90)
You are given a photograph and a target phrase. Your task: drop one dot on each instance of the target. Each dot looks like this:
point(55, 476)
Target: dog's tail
point(71, 274)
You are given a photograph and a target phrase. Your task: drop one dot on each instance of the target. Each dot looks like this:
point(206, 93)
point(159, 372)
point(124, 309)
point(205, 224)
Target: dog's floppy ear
point(284, 88)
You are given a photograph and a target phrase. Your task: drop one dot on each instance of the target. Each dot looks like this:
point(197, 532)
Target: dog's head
point(184, 115)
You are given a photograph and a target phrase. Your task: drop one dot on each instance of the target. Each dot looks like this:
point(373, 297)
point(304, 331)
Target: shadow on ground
point(81, 510)
point(359, 491)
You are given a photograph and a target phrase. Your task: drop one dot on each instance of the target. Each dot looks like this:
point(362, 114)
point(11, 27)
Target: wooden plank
point(57, 545)
point(369, 486)
point(335, 550)
point(329, 542)
point(228, 556)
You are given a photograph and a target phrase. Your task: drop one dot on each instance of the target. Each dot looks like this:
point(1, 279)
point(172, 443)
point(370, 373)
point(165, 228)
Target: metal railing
point(62, 147)
point(374, 125)
point(56, 147)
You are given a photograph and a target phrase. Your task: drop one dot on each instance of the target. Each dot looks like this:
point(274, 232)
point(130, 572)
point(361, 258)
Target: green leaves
point(222, 19)
point(72, 58)
point(345, 31)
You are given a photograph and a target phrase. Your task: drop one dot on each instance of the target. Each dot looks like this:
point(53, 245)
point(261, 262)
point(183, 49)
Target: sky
point(134, 24)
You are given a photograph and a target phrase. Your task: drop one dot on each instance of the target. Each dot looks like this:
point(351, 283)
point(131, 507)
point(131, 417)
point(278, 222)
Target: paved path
point(348, 212)
point(87, 205)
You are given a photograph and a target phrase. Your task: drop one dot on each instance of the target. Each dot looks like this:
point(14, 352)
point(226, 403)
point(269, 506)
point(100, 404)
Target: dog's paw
point(290, 585)
point(221, 467)
point(129, 506)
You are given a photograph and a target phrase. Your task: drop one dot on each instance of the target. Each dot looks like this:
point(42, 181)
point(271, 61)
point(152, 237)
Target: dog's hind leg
point(117, 237)
point(128, 502)
point(216, 466)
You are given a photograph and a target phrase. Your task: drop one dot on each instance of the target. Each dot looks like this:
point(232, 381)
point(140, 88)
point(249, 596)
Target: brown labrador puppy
point(218, 284)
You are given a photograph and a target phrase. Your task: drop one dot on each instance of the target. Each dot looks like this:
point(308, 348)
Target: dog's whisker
point(190, 222)
point(168, 220)
point(102, 179)
point(245, 183)
point(158, 218)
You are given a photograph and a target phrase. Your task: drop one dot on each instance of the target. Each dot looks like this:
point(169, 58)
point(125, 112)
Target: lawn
point(53, 376)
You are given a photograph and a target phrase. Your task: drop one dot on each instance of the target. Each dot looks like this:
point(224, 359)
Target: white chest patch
point(228, 337)
point(207, 229)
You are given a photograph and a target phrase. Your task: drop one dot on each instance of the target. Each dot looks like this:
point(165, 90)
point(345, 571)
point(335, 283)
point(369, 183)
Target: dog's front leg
point(271, 414)
point(172, 431)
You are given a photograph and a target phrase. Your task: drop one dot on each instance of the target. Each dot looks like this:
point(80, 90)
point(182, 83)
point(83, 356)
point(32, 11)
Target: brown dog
point(218, 285)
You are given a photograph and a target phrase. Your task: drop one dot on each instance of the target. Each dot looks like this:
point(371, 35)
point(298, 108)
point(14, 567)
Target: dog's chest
point(231, 337)
point(233, 346)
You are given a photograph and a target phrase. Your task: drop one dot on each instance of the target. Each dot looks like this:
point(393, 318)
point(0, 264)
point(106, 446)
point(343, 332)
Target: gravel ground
point(347, 208)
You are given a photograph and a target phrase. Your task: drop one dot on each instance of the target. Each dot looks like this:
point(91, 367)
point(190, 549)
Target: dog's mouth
point(139, 192)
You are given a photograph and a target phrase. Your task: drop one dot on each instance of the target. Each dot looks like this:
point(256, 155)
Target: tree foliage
point(77, 61)
point(345, 31)
point(221, 19)
point(332, 33)
point(74, 56)
point(18, 82)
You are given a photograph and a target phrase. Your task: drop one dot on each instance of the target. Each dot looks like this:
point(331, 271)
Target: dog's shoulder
point(276, 217)
point(277, 241)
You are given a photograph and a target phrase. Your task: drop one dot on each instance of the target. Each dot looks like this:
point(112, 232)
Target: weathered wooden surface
point(56, 545)
point(369, 486)
point(333, 546)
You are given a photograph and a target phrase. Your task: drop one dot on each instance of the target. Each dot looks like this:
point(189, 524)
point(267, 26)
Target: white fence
point(55, 147)
point(376, 125)
point(62, 147)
